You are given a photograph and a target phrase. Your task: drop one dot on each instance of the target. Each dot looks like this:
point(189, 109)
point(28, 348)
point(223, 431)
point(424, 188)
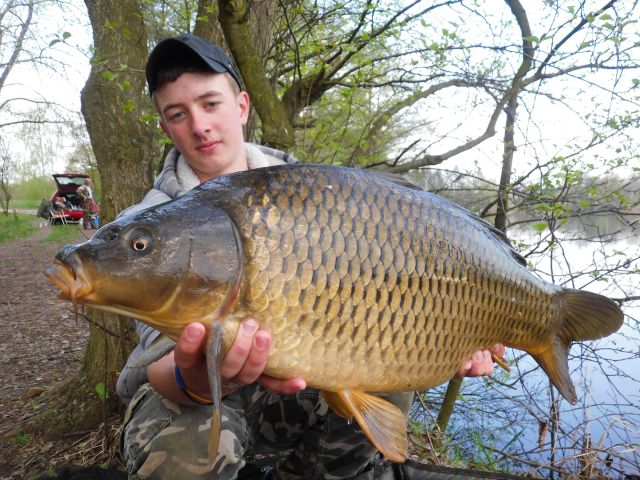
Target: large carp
point(366, 283)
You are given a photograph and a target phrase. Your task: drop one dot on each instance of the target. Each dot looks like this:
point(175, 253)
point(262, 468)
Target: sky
point(60, 84)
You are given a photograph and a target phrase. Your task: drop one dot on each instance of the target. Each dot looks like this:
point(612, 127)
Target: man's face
point(204, 117)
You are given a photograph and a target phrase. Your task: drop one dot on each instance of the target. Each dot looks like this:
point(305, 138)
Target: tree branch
point(568, 36)
point(18, 45)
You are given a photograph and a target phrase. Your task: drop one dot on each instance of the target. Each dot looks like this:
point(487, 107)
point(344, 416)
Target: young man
point(203, 108)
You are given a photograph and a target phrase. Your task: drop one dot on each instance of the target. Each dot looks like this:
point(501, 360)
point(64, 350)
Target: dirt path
point(40, 344)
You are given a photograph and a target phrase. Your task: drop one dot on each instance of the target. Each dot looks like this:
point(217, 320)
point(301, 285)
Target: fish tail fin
point(554, 361)
point(587, 316)
point(382, 422)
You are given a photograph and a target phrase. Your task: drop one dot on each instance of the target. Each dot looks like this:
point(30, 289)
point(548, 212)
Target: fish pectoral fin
point(214, 361)
point(382, 422)
point(158, 349)
point(500, 362)
point(214, 437)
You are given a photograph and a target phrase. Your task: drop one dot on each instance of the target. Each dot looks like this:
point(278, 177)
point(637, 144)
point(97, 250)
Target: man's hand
point(244, 363)
point(480, 362)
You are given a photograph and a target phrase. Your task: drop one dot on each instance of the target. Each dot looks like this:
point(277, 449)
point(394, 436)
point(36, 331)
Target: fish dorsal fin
point(394, 178)
point(500, 235)
point(158, 349)
point(214, 361)
point(382, 422)
point(491, 230)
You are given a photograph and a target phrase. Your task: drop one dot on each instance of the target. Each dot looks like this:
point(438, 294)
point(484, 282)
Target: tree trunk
point(502, 207)
point(234, 18)
point(207, 25)
point(113, 101)
point(125, 148)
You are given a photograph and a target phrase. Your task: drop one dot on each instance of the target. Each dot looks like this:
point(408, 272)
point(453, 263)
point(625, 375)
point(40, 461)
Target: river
point(512, 413)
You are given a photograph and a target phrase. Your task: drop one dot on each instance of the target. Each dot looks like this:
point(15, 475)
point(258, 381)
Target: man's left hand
point(481, 362)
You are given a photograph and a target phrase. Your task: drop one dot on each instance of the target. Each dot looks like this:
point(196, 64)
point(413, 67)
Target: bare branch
point(18, 45)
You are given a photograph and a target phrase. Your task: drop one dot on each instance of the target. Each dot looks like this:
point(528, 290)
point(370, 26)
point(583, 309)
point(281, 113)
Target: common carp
point(366, 282)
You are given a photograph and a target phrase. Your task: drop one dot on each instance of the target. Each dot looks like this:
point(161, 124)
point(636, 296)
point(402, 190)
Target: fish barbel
point(366, 283)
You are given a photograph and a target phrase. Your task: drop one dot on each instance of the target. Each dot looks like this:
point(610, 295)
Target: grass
point(14, 227)
point(23, 439)
point(64, 233)
point(30, 204)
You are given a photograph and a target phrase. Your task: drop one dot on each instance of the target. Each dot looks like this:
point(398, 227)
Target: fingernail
point(194, 333)
point(262, 342)
point(249, 325)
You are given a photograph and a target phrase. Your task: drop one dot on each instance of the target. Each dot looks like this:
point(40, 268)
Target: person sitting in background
point(60, 203)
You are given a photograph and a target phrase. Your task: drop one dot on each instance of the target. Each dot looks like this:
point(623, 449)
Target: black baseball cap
point(188, 50)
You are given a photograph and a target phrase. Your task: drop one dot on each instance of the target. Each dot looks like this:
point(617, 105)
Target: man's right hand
point(244, 363)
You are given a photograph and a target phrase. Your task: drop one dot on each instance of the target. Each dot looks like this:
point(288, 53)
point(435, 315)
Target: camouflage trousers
point(299, 435)
point(87, 211)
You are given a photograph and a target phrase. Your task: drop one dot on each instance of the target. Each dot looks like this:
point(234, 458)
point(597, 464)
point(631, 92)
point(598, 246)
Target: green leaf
point(107, 75)
point(101, 390)
point(53, 42)
point(540, 227)
point(130, 105)
point(605, 16)
point(65, 35)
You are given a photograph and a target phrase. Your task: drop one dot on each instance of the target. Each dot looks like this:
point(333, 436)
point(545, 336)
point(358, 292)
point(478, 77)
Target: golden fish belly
point(378, 289)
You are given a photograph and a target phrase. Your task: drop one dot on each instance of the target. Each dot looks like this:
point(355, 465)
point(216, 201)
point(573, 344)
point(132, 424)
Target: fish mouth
point(75, 286)
point(72, 281)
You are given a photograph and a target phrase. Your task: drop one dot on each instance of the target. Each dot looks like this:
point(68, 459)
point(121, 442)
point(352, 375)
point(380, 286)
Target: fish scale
point(392, 242)
point(366, 283)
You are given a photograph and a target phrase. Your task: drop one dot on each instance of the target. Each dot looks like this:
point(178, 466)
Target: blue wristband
point(194, 397)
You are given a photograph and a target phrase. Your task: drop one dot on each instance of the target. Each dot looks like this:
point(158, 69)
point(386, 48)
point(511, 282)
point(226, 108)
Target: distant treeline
point(590, 206)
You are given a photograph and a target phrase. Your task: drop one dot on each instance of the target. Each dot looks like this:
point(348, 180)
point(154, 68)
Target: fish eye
point(139, 244)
